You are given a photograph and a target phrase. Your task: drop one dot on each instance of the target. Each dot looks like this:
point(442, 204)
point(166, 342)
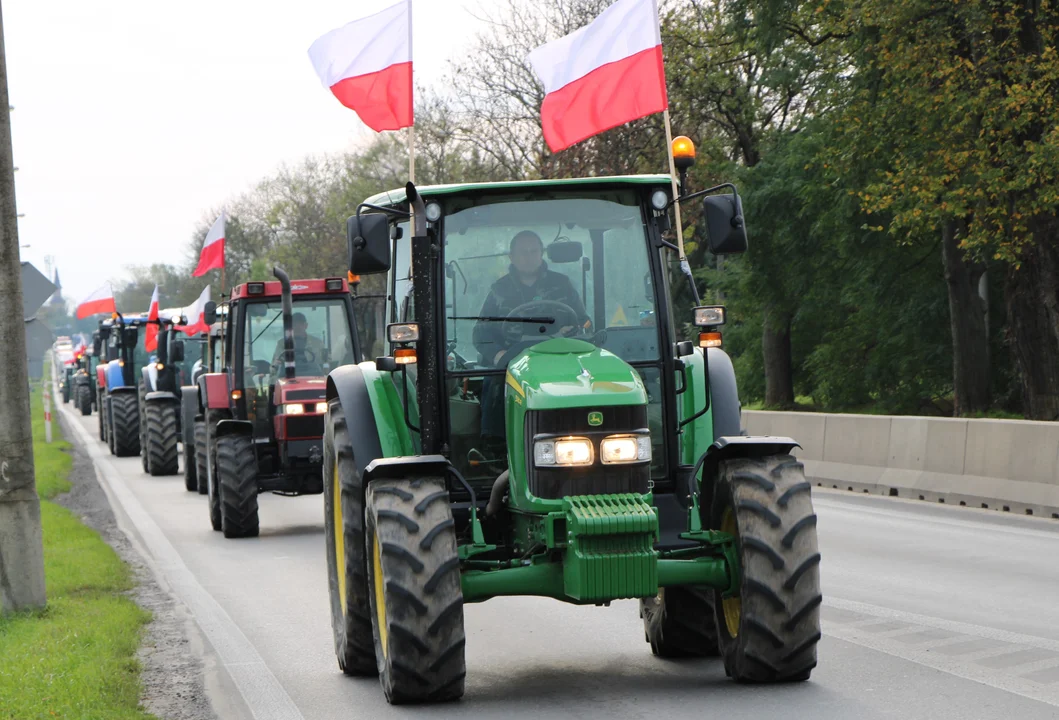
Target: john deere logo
point(595, 419)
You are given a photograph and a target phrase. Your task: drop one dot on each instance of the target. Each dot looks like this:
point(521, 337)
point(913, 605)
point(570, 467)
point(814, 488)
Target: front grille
point(304, 395)
point(597, 479)
point(304, 426)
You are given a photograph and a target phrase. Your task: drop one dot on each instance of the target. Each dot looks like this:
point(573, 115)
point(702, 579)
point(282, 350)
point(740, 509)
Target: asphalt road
point(929, 612)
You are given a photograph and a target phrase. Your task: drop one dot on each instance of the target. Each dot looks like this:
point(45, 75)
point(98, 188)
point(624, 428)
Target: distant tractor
point(539, 429)
point(119, 404)
point(193, 424)
point(263, 414)
point(160, 399)
point(82, 381)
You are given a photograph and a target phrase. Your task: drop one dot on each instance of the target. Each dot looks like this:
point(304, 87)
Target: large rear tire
point(237, 476)
point(213, 490)
point(145, 457)
point(769, 632)
point(102, 416)
point(347, 579)
point(414, 591)
point(199, 458)
point(84, 400)
point(679, 622)
point(126, 424)
point(161, 448)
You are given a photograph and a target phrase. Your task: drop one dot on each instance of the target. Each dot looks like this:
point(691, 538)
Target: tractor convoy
point(518, 415)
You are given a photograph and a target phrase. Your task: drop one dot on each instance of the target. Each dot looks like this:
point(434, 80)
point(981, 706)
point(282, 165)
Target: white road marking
point(262, 692)
point(933, 654)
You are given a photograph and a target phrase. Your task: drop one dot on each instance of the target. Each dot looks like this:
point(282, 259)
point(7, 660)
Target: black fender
point(724, 395)
point(399, 468)
point(233, 427)
point(347, 385)
point(123, 389)
point(161, 396)
point(736, 446)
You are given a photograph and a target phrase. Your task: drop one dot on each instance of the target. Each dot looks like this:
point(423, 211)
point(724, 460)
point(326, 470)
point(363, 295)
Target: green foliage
point(77, 657)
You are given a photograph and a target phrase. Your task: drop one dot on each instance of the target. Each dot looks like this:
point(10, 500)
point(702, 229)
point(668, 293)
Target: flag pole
point(411, 154)
point(676, 190)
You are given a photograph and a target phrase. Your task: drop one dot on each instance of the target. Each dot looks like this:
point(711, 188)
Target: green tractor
point(535, 427)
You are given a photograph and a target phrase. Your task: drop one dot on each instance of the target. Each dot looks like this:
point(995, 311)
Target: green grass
point(77, 657)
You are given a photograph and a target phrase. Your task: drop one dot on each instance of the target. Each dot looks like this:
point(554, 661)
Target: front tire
point(414, 591)
point(161, 436)
point(200, 458)
point(679, 622)
point(84, 400)
point(237, 478)
point(768, 632)
point(102, 415)
point(125, 425)
point(347, 579)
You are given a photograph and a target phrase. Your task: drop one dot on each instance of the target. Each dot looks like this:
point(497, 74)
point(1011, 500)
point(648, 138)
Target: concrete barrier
point(1007, 465)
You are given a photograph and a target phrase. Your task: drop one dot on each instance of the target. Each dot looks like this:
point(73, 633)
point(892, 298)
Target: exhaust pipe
point(288, 323)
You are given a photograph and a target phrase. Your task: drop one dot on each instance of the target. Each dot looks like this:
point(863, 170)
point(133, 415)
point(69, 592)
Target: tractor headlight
point(622, 449)
point(563, 452)
point(294, 409)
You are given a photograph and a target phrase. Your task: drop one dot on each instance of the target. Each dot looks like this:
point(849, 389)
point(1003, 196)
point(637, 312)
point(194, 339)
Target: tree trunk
point(1028, 292)
point(967, 313)
point(776, 344)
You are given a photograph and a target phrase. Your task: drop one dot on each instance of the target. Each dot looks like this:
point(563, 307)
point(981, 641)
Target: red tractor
point(264, 413)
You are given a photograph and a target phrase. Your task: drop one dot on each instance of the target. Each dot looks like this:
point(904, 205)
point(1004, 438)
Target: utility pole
point(21, 544)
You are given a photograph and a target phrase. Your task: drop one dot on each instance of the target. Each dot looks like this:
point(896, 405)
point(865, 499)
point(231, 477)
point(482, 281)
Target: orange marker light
point(404, 356)
point(683, 152)
point(237, 394)
point(710, 340)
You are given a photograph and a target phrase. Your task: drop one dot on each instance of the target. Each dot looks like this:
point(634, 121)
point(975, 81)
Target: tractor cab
point(264, 410)
point(534, 425)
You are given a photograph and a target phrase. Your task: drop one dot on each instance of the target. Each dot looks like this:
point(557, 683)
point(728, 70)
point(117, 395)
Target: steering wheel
point(513, 331)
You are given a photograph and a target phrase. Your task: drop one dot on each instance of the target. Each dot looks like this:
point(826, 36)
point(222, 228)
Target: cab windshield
point(321, 338)
point(520, 270)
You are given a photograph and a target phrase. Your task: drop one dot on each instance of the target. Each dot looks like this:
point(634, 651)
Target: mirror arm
point(701, 193)
point(386, 210)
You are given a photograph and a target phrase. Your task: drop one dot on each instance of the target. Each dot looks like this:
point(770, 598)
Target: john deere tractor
point(120, 405)
point(537, 428)
point(160, 401)
point(209, 359)
point(264, 413)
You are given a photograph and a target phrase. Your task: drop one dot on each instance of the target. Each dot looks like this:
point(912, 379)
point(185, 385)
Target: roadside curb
point(261, 695)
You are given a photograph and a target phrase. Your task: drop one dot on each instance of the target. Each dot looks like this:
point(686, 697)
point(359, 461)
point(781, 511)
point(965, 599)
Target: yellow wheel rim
point(380, 595)
point(732, 607)
point(340, 540)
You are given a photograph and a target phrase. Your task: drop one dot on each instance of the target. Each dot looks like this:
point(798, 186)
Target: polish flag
point(606, 74)
point(150, 336)
point(367, 64)
point(196, 315)
point(213, 249)
point(100, 301)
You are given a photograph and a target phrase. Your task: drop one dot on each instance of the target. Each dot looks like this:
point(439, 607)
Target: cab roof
point(398, 196)
point(273, 289)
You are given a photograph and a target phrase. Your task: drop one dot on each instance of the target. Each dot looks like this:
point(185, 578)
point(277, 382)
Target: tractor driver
point(307, 349)
point(528, 279)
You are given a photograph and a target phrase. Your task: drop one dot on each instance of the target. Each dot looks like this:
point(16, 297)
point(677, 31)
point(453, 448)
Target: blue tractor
point(120, 404)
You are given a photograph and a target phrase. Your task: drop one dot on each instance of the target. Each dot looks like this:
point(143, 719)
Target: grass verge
point(77, 657)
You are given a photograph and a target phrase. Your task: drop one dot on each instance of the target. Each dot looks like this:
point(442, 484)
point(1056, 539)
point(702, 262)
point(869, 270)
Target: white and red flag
point(605, 74)
point(212, 255)
point(100, 301)
point(150, 335)
point(367, 64)
point(196, 314)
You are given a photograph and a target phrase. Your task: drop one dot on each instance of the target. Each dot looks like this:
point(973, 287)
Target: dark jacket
point(508, 293)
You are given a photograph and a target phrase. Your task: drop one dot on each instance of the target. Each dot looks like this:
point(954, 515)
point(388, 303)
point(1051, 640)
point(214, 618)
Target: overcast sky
point(134, 117)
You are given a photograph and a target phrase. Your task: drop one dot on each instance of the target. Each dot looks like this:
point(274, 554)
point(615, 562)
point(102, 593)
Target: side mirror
point(176, 351)
point(725, 228)
point(130, 336)
point(564, 252)
point(368, 238)
point(209, 313)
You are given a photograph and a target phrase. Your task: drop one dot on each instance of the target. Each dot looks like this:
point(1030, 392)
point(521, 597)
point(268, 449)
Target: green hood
point(564, 372)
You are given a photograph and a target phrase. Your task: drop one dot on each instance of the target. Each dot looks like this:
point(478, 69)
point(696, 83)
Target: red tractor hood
point(300, 390)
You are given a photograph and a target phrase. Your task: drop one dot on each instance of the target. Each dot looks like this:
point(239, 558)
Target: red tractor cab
point(264, 412)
